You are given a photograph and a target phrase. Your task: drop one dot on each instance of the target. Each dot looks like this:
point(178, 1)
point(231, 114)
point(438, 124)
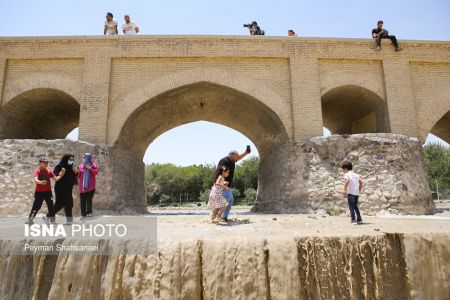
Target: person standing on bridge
point(229, 162)
point(110, 25)
point(381, 33)
point(129, 28)
point(291, 32)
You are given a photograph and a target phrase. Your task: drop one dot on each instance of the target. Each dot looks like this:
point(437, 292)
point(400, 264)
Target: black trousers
point(390, 37)
point(86, 202)
point(353, 206)
point(39, 198)
point(64, 199)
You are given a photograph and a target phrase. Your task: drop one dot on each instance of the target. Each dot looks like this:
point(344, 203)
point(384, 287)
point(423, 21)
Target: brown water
point(255, 257)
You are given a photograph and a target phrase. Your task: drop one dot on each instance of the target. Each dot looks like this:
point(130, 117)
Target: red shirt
point(43, 175)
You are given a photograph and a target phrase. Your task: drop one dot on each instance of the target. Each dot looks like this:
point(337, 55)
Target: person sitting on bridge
point(129, 28)
point(254, 29)
point(110, 25)
point(381, 33)
point(291, 32)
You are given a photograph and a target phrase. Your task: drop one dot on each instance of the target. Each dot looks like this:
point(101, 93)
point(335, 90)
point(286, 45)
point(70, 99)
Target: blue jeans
point(228, 194)
point(353, 206)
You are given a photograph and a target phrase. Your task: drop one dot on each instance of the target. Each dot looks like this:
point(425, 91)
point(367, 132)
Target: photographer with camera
point(254, 29)
point(381, 33)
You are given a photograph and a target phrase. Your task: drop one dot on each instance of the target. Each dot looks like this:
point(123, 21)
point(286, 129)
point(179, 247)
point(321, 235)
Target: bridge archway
point(201, 101)
point(39, 113)
point(352, 109)
point(442, 128)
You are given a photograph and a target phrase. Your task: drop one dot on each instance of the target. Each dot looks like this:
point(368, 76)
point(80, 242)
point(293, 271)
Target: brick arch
point(430, 113)
point(39, 106)
point(359, 79)
point(36, 81)
point(136, 99)
point(351, 109)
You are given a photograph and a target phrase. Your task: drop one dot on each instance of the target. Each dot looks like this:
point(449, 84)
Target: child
point(86, 181)
point(43, 191)
point(217, 201)
point(352, 188)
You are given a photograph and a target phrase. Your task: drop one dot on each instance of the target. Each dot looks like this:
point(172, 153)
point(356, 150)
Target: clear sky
point(197, 142)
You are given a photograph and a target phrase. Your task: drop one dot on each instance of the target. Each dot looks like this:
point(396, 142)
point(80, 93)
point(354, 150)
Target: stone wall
point(308, 176)
point(391, 167)
point(296, 178)
point(19, 158)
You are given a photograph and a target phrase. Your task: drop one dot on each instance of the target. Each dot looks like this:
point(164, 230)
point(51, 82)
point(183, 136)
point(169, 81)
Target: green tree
point(437, 159)
point(168, 184)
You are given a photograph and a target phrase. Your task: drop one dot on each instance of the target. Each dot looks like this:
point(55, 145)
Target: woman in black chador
point(63, 187)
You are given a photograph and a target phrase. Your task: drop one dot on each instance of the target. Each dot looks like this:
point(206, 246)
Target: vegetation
point(437, 159)
point(168, 184)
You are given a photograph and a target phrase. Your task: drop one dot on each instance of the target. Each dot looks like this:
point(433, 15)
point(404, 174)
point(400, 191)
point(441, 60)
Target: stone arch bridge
point(123, 92)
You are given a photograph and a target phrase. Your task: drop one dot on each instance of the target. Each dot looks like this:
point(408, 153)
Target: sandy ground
point(245, 225)
point(181, 224)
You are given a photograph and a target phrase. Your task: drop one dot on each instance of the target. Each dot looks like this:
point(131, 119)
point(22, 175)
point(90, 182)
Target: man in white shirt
point(129, 28)
point(110, 25)
point(352, 188)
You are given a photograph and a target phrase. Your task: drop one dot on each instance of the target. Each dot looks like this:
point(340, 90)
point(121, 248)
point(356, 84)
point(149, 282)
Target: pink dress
point(216, 198)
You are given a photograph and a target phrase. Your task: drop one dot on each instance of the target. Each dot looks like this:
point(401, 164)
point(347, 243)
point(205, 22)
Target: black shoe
point(398, 49)
point(46, 220)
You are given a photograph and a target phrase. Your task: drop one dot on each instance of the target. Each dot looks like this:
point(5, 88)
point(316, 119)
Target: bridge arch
point(214, 76)
point(199, 101)
point(39, 106)
point(433, 117)
point(351, 109)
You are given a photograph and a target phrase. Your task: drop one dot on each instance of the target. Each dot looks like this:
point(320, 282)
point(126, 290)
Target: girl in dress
point(217, 202)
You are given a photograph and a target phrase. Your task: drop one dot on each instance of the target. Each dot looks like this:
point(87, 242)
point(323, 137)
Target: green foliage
point(437, 159)
point(168, 184)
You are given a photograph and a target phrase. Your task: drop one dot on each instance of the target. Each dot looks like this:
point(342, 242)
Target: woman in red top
point(43, 191)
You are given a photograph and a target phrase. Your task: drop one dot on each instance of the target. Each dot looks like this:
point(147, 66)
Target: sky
point(196, 143)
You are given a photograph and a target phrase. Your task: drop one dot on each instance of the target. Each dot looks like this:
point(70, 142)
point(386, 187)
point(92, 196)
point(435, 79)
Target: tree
point(168, 184)
point(437, 159)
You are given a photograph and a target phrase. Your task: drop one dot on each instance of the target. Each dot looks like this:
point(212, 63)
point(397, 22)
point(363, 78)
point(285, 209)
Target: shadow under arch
point(201, 101)
point(40, 113)
point(352, 109)
point(442, 128)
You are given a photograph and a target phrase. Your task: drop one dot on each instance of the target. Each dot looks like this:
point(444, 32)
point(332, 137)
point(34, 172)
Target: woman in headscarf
point(86, 180)
point(64, 186)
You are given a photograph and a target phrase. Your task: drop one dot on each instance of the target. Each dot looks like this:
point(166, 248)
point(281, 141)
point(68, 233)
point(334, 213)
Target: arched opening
point(41, 113)
point(195, 102)
point(442, 128)
point(437, 151)
point(179, 173)
point(353, 109)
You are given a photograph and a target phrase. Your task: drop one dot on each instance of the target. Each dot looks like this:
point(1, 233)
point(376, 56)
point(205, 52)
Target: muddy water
point(249, 260)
